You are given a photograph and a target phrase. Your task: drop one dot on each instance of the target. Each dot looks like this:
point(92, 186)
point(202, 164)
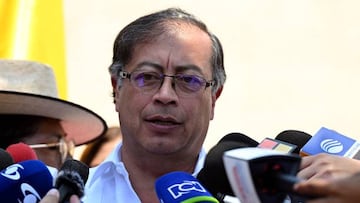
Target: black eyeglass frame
point(204, 82)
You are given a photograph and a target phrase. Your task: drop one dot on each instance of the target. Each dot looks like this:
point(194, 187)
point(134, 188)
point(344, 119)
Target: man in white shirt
point(167, 74)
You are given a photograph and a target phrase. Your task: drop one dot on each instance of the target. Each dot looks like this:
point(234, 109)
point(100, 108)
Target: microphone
point(277, 145)
point(71, 179)
point(5, 159)
point(181, 187)
point(261, 175)
point(295, 137)
point(329, 141)
point(213, 175)
point(25, 182)
point(21, 152)
point(288, 141)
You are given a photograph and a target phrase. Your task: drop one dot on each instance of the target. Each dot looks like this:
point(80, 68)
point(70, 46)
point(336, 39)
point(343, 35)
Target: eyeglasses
point(65, 147)
point(150, 82)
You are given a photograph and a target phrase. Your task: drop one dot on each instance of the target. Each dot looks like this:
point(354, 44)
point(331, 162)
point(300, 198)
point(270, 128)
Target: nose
point(166, 93)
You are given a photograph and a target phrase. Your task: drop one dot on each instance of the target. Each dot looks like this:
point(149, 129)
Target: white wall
point(290, 64)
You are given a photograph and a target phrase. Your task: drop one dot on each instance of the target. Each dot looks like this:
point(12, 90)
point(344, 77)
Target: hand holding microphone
point(329, 154)
point(344, 190)
point(328, 166)
point(53, 196)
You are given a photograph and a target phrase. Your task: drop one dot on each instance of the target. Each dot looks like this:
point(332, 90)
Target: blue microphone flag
point(181, 187)
point(331, 142)
point(26, 181)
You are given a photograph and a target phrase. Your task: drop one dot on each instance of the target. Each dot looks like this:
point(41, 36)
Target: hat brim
point(81, 124)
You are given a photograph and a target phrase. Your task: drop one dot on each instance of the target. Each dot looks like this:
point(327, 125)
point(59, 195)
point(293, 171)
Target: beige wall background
point(290, 64)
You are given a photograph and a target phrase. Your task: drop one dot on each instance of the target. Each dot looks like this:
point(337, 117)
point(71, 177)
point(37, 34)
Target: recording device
point(261, 175)
point(5, 159)
point(21, 152)
point(181, 187)
point(71, 179)
point(25, 182)
point(213, 175)
point(329, 141)
point(277, 145)
point(298, 139)
point(288, 141)
point(295, 137)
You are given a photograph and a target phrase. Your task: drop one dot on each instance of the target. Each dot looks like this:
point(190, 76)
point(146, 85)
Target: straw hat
point(28, 87)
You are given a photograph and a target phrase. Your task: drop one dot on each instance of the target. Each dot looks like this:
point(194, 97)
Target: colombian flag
point(34, 30)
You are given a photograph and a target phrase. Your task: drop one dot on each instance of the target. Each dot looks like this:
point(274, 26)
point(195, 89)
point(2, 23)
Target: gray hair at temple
point(147, 28)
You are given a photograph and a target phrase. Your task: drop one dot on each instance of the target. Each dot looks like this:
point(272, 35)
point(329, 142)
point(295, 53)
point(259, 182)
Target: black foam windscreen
point(295, 137)
point(239, 138)
point(213, 175)
point(71, 179)
point(5, 159)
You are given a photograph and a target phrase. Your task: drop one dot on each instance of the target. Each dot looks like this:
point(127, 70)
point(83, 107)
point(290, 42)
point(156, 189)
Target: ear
point(113, 82)
point(218, 92)
point(214, 98)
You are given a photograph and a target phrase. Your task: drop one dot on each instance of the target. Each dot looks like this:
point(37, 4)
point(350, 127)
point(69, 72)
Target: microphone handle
point(220, 197)
point(65, 193)
point(285, 183)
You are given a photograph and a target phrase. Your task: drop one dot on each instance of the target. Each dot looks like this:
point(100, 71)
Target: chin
point(164, 148)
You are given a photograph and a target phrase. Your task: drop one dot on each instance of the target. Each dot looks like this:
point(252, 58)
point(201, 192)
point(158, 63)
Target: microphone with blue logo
point(24, 182)
point(329, 141)
point(181, 187)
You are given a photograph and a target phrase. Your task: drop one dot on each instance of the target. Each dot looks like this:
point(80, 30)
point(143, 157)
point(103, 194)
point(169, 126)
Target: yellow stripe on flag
point(34, 30)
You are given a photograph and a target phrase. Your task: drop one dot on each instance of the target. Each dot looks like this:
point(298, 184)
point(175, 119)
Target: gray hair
point(147, 28)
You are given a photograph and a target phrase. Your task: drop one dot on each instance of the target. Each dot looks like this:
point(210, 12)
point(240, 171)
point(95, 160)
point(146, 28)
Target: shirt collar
point(114, 160)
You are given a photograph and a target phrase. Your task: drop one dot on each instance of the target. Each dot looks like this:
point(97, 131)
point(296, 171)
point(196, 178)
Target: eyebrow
point(177, 68)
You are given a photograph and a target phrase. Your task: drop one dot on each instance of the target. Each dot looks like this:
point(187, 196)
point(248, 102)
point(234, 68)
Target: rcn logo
point(331, 146)
point(177, 190)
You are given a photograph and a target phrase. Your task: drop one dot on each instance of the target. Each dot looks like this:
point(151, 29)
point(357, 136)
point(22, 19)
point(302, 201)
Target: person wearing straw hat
point(31, 112)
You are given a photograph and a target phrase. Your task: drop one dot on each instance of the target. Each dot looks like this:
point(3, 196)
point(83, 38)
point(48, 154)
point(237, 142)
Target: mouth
point(160, 122)
point(163, 120)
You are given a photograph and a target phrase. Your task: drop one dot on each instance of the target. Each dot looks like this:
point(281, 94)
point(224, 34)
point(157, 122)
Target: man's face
point(163, 122)
point(50, 131)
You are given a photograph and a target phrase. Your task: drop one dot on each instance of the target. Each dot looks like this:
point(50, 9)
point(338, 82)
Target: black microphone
point(213, 175)
point(299, 139)
point(71, 179)
point(295, 137)
point(5, 159)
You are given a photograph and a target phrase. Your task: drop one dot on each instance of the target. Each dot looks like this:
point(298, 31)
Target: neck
point(145, 169)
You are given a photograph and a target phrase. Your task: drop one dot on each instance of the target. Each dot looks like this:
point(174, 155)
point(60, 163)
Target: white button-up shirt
point(109, 182)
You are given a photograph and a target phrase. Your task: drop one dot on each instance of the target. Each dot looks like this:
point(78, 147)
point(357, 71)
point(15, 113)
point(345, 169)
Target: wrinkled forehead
point(187, 46)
